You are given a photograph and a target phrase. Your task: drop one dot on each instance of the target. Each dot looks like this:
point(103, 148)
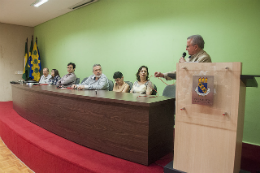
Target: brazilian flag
point(26, 68)
point(35, 64)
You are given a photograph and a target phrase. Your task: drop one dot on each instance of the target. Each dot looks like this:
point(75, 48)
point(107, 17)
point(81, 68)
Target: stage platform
point(43, 151)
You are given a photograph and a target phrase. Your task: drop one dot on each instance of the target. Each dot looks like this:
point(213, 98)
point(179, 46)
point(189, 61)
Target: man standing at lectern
point(195, 46)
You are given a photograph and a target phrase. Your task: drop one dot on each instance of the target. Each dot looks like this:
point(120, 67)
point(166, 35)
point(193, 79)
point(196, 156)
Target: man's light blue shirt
point(100, 84)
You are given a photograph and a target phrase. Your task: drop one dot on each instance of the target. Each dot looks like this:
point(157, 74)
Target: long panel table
point(128, 126)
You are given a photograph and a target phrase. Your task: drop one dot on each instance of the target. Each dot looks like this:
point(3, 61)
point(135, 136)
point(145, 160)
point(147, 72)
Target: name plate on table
point(203, 90)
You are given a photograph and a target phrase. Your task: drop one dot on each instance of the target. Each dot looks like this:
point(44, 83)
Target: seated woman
point(142, 85)
point(55, 76)
point(120, 85)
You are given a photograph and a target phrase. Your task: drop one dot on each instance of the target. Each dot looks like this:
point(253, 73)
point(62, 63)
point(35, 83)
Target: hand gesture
point(158, 74)
point(182, 60)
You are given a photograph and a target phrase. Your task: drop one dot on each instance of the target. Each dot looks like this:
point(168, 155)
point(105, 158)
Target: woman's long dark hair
point(56, 72)
point(137, 74)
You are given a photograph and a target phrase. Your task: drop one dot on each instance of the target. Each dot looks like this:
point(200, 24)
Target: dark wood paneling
point(134, 128)
point(250, 159)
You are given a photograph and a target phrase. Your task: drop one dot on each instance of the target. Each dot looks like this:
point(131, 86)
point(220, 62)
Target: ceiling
point(19, 12)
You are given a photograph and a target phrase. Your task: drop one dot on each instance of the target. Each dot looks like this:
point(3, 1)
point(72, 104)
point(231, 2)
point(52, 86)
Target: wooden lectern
point(209, 126)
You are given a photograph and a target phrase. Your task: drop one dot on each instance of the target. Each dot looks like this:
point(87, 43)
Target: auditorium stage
point(43, 151)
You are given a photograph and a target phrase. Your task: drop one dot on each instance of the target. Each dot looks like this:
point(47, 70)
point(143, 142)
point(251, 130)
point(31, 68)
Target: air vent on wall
point(82, 4)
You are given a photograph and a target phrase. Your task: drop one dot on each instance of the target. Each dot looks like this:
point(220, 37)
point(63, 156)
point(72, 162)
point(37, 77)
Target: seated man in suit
point(45, 77)
point(97, 81)
point(69, 78)
point(195, 46)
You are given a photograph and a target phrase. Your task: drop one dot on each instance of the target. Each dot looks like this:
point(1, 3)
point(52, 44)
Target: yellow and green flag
point(35, 65)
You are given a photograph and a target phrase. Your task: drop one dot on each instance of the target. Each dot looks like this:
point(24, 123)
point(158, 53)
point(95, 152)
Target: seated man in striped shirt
point(97, 81)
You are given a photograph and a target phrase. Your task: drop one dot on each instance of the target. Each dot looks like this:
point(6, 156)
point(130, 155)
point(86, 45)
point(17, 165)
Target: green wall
point(122, 35)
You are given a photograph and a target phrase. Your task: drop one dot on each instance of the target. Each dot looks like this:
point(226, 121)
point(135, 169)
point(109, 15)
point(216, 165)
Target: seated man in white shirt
point(45, 77)
point(97, 81)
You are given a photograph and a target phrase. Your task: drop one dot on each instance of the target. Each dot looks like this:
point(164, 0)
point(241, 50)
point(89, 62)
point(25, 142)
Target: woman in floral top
point(142, 85)
point(55, 76)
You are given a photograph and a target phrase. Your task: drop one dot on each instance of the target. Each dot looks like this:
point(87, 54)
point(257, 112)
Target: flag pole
point(27, 46)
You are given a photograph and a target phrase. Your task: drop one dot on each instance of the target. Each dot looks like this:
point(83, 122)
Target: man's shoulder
point(203, 57)
point(103, 76)
point(41, 78)
point(63, 77)
point(91, 76)
point(205, 54)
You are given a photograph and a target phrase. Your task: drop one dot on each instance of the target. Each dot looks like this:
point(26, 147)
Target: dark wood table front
point(138, 129)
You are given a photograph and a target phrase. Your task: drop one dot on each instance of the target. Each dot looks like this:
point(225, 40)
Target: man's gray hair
point(96, 65)
point(46, 68)
point(198, 40)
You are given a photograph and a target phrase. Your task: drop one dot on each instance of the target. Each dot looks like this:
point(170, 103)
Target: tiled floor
point(9, 163)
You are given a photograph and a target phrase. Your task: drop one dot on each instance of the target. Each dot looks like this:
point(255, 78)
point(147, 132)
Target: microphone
point(184, 54)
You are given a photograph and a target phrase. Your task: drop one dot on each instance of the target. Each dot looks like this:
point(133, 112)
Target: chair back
point(77, 81)
point(154, 90)
point(111, 85)
point(84, 80)
point(130, 85)
point(169, 91)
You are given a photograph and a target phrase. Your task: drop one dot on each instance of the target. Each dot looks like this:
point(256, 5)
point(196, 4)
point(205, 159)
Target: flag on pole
point(26, 66)
point(35, 63)
point(30, 60)
point(39, 56)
